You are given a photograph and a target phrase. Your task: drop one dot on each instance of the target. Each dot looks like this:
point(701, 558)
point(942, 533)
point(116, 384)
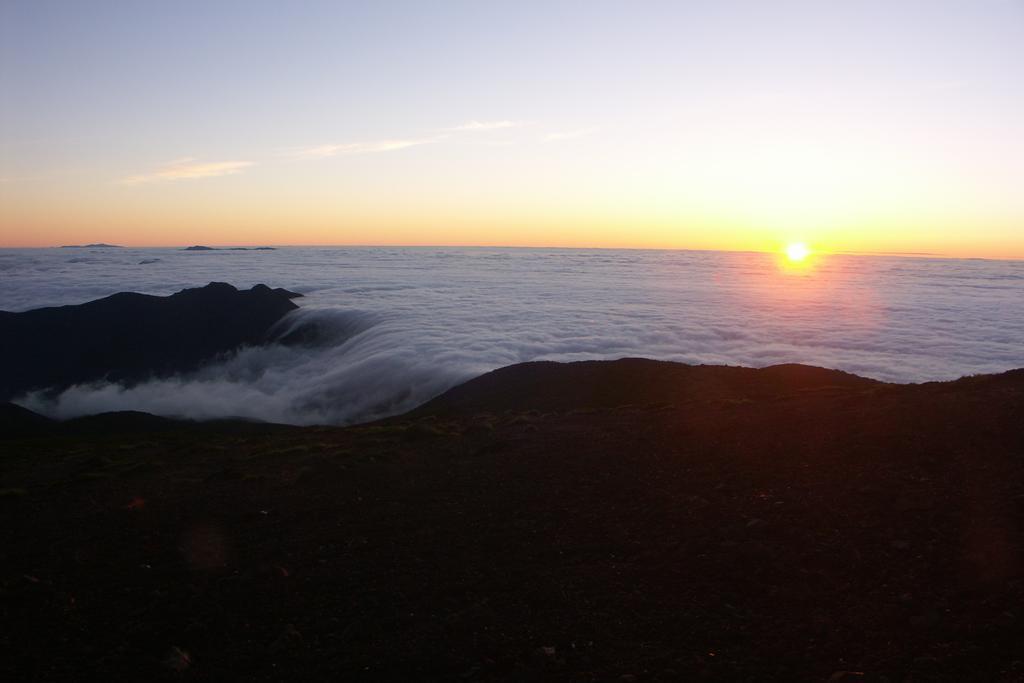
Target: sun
point(797, 252)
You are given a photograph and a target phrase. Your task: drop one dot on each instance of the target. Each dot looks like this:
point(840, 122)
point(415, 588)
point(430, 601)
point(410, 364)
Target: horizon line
point(894, 254)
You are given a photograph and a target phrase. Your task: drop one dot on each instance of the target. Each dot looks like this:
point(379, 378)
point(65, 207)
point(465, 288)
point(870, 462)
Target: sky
point(867, 126)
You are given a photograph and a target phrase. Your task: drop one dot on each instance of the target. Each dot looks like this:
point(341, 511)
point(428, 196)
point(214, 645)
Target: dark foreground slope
point(786, 524)
point(129, 337)
point(545, 385)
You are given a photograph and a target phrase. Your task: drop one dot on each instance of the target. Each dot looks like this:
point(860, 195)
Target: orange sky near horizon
point(541, 236)
point(869, 127)
point(259, 222)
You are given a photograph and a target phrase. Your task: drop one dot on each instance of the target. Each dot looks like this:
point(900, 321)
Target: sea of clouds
point(405, 324)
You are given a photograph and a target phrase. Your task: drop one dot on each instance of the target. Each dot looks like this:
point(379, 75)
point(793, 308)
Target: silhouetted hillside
point(606, 521)
point(603, 384)
point(16, 422)
point(129, 337)
point(19, 423)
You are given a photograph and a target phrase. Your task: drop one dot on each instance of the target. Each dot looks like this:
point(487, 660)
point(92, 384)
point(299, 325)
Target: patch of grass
point(390, 431)
point(92, 475)
point(583, 411)
point(420, 430)
point(131, 468)
point(135, 446)
point(288, 451)
point(11, 493)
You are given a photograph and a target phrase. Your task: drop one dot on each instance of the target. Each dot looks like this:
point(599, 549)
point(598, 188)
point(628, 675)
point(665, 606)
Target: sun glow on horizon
point(797, 252)
point(796, 258)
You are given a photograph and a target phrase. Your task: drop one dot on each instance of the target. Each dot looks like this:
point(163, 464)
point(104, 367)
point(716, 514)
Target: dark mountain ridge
point(130, 337)
point(581, 385)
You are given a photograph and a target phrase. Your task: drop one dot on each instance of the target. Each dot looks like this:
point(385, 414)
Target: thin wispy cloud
point(559, 136)
point(479, 126)
point(392, 145)
point(188, 169)
point(332, 150)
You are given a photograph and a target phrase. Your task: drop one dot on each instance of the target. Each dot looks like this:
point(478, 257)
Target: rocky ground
point(624, 521)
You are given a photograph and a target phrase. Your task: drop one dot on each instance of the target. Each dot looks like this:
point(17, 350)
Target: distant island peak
point(201, 247)
point(98, 245)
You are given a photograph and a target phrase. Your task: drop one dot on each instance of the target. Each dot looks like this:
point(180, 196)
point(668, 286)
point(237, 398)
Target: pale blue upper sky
point(647, 95)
